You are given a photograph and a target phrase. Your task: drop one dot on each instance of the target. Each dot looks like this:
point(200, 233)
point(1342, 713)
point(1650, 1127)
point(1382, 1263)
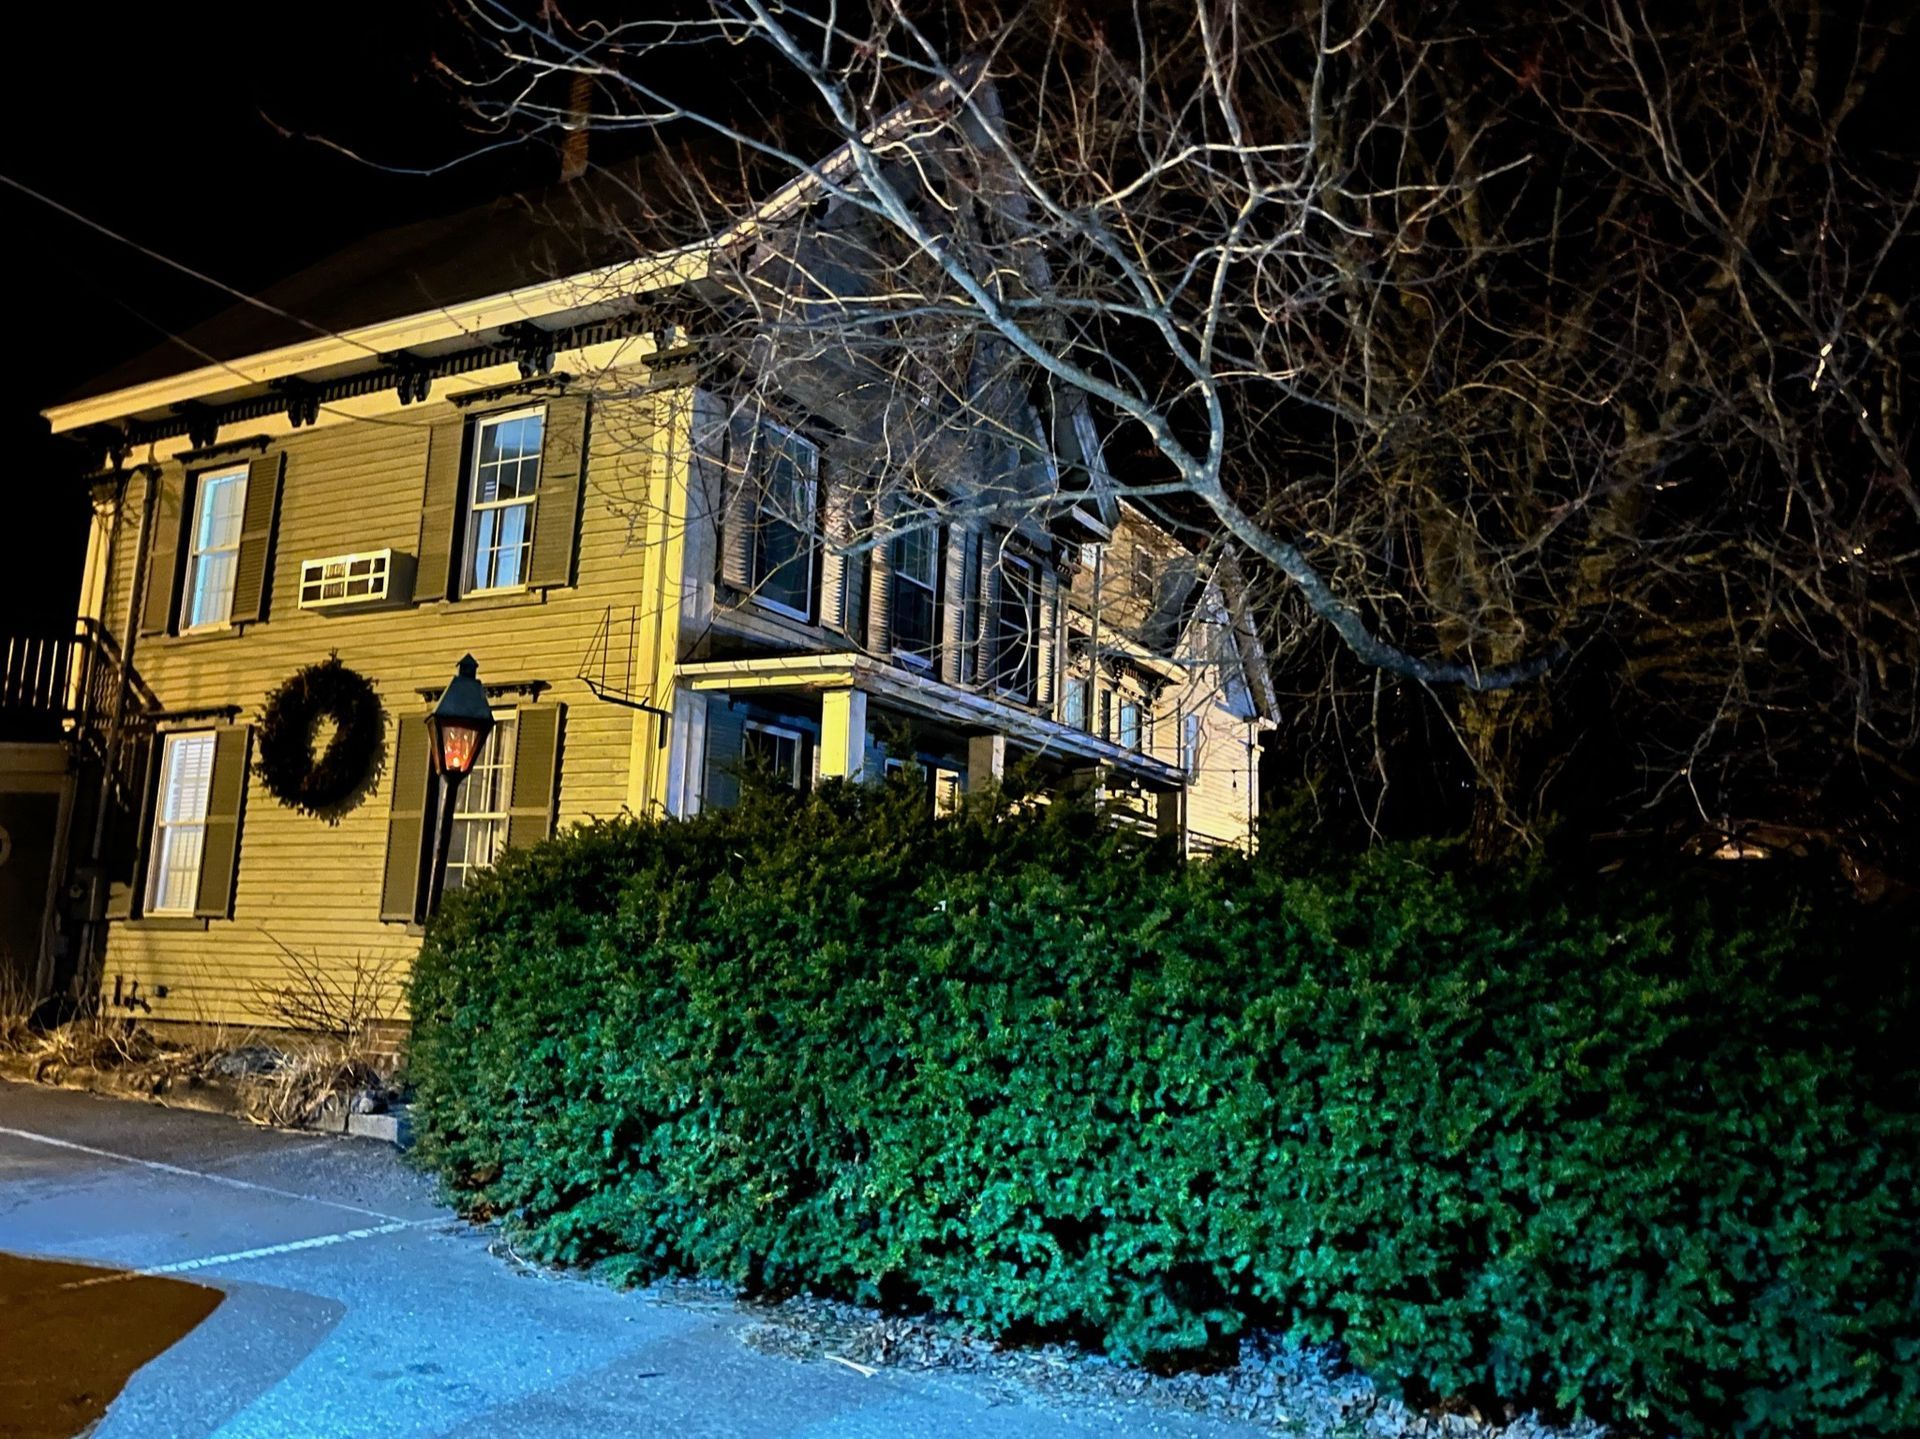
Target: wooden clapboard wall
point(318, 888)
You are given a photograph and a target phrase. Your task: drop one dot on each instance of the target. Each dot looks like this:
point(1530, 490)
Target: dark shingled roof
point(504, 244)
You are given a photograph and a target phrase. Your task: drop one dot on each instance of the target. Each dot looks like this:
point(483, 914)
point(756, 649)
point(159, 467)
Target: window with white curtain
point(179, 822)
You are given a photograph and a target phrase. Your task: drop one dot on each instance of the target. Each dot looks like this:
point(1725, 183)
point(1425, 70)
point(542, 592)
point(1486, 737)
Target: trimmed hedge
point(1634, 1151)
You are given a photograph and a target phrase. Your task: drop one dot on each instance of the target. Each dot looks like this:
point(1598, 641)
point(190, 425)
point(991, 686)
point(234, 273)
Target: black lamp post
point(457, 728)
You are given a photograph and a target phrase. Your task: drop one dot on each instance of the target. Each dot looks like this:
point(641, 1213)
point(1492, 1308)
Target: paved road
point(358, 1308)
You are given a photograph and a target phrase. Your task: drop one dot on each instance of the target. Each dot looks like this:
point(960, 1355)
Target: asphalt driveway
point(355, 1305)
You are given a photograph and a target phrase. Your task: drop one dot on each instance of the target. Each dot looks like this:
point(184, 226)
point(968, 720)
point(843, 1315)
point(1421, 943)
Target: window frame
point(198, 551)
point(809, 535)
point(779, 731)
point(1143, 574)
point(1076, 687)
point(472, 506)
point(1011, 562)
point(500, 752)
point(159, 838)
point(947, 785)
point(920, 659)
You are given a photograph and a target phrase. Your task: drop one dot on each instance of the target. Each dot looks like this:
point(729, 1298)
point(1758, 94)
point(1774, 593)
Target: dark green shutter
point(253, 569)
point(880, 577)
point(836, 508)
point(129, 826)
point(164, 545)
point(1046, 626)
point(853, 580)
point(536, 774)
point(226, 798)
point(955, 642)
point(440, 510)
point(563, 472)
point(400, 891)
point(726, 733)
point(741, 508)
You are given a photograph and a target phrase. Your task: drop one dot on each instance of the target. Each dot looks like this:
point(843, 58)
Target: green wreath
point(286, 763)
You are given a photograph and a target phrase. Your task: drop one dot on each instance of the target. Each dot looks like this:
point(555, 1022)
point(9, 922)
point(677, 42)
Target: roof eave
point(581, 296)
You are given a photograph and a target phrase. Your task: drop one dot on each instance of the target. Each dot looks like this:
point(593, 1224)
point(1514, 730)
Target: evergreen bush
point(1645, 1150)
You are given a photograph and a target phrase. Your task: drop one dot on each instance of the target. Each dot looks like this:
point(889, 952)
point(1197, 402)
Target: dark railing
point(34, 672)
point(55, 684)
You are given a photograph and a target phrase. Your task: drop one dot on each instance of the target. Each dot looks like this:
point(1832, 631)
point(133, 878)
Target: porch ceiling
point(928, 699)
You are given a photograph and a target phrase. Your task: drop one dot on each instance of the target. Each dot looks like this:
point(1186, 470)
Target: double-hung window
point(915, 594)
point(772, 749)
point(1130, 724)
point(219, 506)
point(1143, 577)
point(480, 811)
point(179, 822)
point(1190, 745)
point(1015, 621)
point(1073, 709)
point(503, 488)
point(785, 472)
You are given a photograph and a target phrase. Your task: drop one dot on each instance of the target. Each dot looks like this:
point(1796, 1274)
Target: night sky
point(165, 123)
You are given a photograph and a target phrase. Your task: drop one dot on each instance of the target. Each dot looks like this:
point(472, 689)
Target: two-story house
point(479, 436)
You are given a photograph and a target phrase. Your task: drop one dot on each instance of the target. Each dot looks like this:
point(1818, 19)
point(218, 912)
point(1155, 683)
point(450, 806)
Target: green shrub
point(1641, 1151)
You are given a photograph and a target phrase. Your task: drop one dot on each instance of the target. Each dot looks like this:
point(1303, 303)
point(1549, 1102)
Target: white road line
point(175, 1169)
point(292, 1246)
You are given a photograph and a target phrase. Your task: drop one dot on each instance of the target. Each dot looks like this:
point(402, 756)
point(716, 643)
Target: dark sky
point(163, 122)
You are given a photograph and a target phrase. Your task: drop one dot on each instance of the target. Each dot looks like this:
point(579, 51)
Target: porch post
point(843, 734)
point(986, 760)
point(1170, 815)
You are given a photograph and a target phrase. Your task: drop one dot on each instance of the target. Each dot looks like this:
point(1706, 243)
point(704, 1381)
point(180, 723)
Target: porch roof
point(930, 699)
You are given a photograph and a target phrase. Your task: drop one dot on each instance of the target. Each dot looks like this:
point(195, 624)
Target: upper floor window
point(1143, 574)
point(1130, 724)
point(504, 487)
point(1190, 746)
point(220, 503)
point(1073, 709)
point(480, 811)
point(180, 822)
point(785, 474)
point(1015, 628)
point(915, 603)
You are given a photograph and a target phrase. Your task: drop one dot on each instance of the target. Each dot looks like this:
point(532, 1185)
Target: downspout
point(92, 949)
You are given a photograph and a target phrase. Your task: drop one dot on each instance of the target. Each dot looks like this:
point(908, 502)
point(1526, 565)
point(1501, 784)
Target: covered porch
point(856, 716)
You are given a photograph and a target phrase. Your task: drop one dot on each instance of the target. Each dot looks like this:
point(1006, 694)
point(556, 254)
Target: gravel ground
point(1308, 1393)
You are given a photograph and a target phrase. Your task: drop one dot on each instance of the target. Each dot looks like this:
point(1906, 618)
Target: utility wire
point(181, 266)
point(214, 360)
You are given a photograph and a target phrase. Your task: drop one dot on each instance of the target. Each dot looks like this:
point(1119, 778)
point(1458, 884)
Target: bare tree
point(1547, 372)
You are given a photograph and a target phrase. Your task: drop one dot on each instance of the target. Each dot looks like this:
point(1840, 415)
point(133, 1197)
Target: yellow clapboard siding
point(313, 887)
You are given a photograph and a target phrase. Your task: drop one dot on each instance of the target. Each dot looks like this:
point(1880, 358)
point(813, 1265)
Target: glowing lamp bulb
point(458, 745)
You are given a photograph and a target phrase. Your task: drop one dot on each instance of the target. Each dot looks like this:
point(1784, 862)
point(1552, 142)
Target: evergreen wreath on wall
point(287, 765)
